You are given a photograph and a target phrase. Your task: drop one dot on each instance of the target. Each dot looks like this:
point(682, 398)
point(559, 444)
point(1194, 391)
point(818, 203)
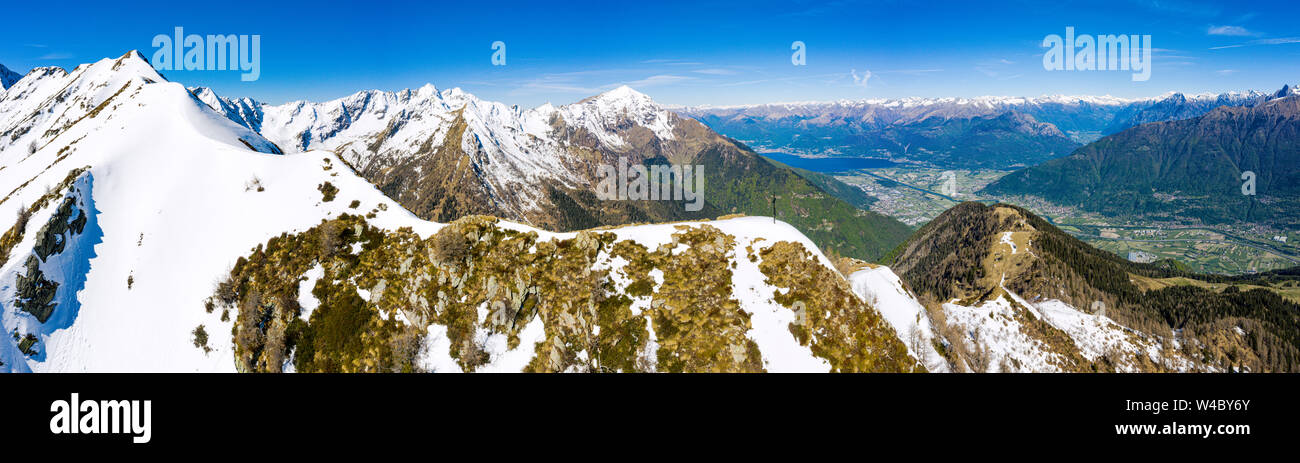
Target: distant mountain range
point(1179, 106)
point(1193, 168)
point(984, 132)
point(446, 154)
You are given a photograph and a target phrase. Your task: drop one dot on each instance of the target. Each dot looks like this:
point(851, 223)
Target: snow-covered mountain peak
point(48, 101)
point(130, 64)
point(622, 99)
point(605, 114)
point(546, 108)
point(455, 98)
point(623, 93)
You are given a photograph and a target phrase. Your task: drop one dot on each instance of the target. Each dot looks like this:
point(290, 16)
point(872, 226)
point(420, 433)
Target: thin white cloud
point(671, 62)
point(1278, 41)
point(1224, 72)
point(1234, 31)
point(910, 71)
point(662, 79)
point(534, 87)
point(781, 79)
point(1272, 41)
point(995, 68)
point(860, 80)
point(566, 82)
point(715, 72)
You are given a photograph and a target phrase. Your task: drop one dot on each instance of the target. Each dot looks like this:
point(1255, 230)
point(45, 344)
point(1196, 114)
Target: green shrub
point(201, 338)
point(327, 191)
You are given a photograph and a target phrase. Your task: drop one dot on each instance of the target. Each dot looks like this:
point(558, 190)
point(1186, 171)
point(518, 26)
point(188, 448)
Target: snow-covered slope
point(882, 288)
point(1000, 334)
point(138, 198)
point(1004, 290)
point(1003, 331)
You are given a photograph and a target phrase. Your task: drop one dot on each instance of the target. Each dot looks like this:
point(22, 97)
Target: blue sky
point(692, 52)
